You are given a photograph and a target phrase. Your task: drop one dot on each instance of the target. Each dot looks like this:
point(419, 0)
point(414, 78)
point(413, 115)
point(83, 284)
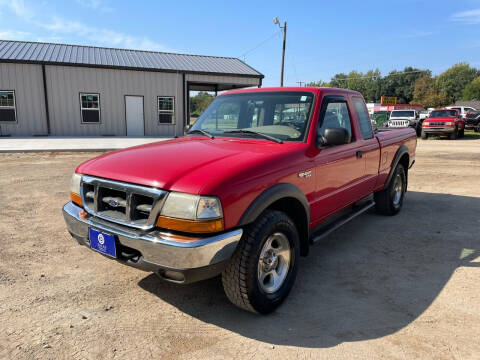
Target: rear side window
point(363, 118)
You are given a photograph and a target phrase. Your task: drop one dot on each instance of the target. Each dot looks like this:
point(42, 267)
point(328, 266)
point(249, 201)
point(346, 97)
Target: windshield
point(284, 115)
point(443, 113)
point(407, 113)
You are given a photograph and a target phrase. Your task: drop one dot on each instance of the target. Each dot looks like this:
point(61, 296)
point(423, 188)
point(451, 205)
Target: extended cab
point(444, 122)
point(261, 176)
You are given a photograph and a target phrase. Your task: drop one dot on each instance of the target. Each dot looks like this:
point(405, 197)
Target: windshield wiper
point(206, 133)
point(265, 136)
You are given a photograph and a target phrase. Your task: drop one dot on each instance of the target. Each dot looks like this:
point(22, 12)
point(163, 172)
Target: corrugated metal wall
point(65, 83)
point(27, 82)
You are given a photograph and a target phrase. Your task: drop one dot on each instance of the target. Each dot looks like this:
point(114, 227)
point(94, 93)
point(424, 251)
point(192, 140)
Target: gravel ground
point(398, 287)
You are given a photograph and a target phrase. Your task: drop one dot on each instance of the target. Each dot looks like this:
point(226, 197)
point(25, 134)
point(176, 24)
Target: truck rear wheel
point(264, 266)
point(389, 201)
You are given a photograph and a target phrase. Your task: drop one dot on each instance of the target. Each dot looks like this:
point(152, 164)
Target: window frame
point(172, 112)
point(90, 109)
point(358, 117)
point(327, 99)
point(14, 107)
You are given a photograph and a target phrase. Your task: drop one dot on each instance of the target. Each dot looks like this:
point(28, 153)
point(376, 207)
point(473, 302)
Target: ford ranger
point(444, 122)
point(261, 176)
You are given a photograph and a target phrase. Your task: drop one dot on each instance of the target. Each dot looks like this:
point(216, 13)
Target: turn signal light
point(77, 199)
point(190, 226)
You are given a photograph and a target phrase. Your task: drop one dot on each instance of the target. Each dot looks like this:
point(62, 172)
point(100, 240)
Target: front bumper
point(439, 130)
point(176, 258)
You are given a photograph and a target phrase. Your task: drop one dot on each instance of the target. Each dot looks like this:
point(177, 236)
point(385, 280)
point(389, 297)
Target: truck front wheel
point(389, 201)
point(454, 134)
point(424, 135)
point(264, 266)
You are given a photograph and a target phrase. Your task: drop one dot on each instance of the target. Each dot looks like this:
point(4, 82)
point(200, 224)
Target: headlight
point(191, 207)
point(75, 189)
point(191, 213)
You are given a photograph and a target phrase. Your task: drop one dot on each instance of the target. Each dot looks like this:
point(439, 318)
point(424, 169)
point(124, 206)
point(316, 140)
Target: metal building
point(70, 90)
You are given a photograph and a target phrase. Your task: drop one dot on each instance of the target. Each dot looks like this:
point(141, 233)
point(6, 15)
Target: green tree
point(372, 86)
point(401, 83)
point(339, 81)
point(319, 83)
point(199, 102)
point(427, 95)
point(455, 79)
point(472, 90)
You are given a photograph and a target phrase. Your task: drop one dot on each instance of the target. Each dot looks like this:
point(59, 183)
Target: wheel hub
point(274, 262)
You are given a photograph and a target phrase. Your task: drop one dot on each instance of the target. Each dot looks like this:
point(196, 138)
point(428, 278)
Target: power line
point(260, 44)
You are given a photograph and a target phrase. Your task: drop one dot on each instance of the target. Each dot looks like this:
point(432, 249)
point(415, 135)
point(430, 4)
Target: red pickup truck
point(444, 122)
point(261, 176)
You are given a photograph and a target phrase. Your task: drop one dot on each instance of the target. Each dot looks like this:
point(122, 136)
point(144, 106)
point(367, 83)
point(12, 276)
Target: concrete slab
point(36, 144)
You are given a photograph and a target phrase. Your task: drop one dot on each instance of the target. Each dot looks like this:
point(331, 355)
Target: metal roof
point(63, 54)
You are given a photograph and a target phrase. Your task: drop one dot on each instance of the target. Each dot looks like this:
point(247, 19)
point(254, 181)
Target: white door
point(134, 114)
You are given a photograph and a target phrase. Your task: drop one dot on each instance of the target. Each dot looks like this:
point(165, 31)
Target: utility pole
point(284, 27)
point(300, 83)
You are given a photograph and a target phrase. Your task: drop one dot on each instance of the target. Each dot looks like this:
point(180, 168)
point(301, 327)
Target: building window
point(90, 108)
point(166, 110)
point(8, 111)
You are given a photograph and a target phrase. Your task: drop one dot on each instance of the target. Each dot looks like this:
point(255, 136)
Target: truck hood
point(185, 164)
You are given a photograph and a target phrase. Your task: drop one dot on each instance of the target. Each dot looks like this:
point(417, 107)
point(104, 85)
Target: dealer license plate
point(102, 242)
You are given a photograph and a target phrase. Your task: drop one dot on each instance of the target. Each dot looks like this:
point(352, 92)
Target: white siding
point(27, 82)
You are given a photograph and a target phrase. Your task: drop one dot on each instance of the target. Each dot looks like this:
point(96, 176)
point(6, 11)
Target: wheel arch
point(401, 157)
point(287, 198)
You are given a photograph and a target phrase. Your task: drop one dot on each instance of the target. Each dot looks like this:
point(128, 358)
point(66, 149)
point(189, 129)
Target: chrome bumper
point(439, 129)
point(158, 250)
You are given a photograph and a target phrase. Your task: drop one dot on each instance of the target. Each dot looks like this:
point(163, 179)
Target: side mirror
point(333, 136)
point(187, 128)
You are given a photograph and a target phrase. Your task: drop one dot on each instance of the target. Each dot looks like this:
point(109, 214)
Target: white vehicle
point(403, 119)
point(463, 110)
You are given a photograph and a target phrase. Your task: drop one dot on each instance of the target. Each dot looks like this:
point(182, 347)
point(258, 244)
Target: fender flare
point(400, 152)
point(269, 196)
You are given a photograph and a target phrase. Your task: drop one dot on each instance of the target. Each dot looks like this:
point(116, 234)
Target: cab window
point(335, 114)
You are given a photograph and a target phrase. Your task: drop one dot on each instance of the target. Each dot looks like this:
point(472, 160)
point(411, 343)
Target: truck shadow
point(367, 280)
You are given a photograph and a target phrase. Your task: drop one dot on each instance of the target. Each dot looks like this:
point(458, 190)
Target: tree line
point(412, 85)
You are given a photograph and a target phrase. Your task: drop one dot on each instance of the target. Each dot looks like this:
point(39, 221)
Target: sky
point(323, 37)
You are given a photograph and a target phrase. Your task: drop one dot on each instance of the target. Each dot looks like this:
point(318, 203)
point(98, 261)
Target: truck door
point(339, 170)
point(370, 148)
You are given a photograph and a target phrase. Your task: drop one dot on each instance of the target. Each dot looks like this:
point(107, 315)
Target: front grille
point(473, 115)
point(436, 123)
point(399, 123)
point(123, 203)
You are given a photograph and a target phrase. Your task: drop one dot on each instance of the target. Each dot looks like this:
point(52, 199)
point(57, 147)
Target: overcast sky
point(323, 37)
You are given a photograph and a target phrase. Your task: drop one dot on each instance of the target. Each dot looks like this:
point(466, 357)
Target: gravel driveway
point(380, 287)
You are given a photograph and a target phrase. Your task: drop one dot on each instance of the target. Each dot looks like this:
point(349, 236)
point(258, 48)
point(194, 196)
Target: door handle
point(359, 154)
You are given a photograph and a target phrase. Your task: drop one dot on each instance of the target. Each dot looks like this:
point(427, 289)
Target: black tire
point(385, 200)
point(477, 129)
point(424, 135)
point(240, 277)
point(461, 133)
point(454, 134)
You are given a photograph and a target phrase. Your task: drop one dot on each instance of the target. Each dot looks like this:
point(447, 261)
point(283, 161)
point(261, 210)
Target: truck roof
point(316, 90)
